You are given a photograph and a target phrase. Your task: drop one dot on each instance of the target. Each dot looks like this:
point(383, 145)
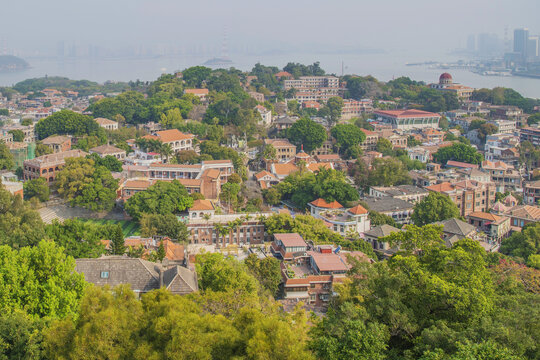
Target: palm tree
point(165, 150)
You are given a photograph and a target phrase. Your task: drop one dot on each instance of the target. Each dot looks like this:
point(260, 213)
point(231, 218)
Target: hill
point(12, 63)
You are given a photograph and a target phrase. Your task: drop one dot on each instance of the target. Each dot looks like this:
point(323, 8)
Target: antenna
point(224, 44)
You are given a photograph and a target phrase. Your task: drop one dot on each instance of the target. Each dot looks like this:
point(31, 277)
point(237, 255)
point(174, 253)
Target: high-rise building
point(471, 43)
point(532, 47)
point(521, 38)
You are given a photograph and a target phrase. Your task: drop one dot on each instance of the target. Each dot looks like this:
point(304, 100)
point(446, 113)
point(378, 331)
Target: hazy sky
point(262, 25)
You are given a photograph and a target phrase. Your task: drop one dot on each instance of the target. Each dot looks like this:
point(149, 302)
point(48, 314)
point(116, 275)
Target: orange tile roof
point(169, 135)
point(406, 113)
point(369, 132)
point(317, 166)
point(196, 91)
point(138, 184)
point(485, 216)
point(202, 205)
point(358, 210)
point(262, 174)
point(173, 251)
point(284, 169)
point(324, 204)
point(443, 187)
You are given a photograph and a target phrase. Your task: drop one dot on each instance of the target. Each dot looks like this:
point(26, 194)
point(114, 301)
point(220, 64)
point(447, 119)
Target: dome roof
point(445, 76)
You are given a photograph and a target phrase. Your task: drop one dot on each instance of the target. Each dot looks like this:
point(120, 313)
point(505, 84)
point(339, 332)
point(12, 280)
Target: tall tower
point(521, 37)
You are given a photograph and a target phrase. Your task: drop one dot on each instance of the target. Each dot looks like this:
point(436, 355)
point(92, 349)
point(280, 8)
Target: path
point(62, 212)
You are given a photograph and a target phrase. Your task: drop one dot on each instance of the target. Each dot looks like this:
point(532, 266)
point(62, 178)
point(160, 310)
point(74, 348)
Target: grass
point(130, 228)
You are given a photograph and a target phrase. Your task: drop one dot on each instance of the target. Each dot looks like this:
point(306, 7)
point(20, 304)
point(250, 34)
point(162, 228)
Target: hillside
point(12, 63)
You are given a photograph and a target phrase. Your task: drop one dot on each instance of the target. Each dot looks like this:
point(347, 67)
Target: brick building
point(48, 166)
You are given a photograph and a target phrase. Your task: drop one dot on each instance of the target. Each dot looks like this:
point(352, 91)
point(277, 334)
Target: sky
point(257, 25)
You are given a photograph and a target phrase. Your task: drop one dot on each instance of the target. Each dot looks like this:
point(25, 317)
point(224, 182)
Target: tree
point(37, 188)
point(384, 146)
point(346, 334)
point(67, 122)
point(117, 240)
point(86, 185)
point(163, 225)
point(272, 196)
point(533, 119)
point(42, 149)
point(229, 193)
point(308, 133)
point(18, 135)
point(523, 244)
point(334, 105)
point(20, 225)
point(171, 119)
point(458, 152)
point(6, 157)
point(20, 336)
point(434, 207)
point(39, 280)
point(79, 239)
point(267, 271)
point(109, 162)
point(415, 238)
point(347, 136)
point(194, 76)
point(161, 198)
point(388, 172)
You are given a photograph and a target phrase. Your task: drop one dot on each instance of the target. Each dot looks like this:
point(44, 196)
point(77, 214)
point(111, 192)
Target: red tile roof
point(291, 240)
point(358, 210)
point(406, 113)
point(324, 204)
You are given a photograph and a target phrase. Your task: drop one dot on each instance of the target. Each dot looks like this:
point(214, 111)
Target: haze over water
point(383, 66)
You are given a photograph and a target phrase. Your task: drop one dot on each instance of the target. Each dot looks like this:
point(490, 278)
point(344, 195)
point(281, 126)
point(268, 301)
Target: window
point(104, 274)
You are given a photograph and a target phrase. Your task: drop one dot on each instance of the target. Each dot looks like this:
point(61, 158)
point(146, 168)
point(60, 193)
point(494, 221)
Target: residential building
point(266, 115)
point(372, 236)
point(201, 209)
point(130, 187)
point(503, 175)
point(266, 179)
point(109, 150)
point(399, 210)
point(284, 123)
point(257, 96)
point(216, 230)
point(521, 215)
point(455, 230)
point(5, 136)
point(58, 143)
point(312, 82)
point(370, 144)
point(468, 195)
point(200, 93)
point(107, 124)
point(410, 193)
point(354, 108)
point(419, 153)
point(326, 148)
point(408, 119)
point(48, 166)
point(341, 220)
point(494, 226)
point(28, 131)
point(531, 193)
point(142, 275)
point(10, 182)
point(288, 245)
point(284, 149)
point(504, 126)
point(175, 138)
point(531, 134)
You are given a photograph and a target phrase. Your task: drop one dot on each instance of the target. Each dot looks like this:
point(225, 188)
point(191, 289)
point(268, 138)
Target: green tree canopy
point(39, 280)
point(161, 198)
point(37, 188)
point(308, 133)
point(6, 157)
point(523, 244)
point(67, 122)
point(434, 207)
point(84, 184)
point(163, 225)
point(458, 152)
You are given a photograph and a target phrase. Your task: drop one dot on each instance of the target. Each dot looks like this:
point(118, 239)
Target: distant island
point(218, 61)
point(9, 63)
